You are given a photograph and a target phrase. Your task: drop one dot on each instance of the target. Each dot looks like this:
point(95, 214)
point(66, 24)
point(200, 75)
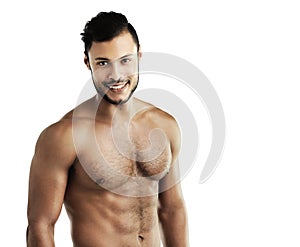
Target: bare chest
point(128, 164)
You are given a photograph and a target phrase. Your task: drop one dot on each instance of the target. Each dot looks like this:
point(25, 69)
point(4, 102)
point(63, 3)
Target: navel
point(141, 238)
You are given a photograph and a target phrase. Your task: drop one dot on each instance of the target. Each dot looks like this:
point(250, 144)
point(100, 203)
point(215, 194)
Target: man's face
point(114, 67)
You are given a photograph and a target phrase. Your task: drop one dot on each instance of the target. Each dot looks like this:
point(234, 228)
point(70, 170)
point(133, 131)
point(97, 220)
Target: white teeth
point(116, 87)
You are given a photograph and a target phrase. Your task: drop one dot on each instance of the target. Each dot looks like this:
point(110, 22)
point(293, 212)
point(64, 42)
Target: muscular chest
point(114, 160)
point(135, 155)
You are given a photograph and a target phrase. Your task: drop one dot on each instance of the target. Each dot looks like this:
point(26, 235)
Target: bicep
point(48, 178)
point(46, 191)
point(170, 188)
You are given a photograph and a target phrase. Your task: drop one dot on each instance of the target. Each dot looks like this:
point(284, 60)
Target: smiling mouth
point(118, 87)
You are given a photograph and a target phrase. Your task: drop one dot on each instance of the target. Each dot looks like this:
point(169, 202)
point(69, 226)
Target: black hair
point(104, 27)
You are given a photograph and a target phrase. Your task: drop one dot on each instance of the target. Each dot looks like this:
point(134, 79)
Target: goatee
point(114, 102)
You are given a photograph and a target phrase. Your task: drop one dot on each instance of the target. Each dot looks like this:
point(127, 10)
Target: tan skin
point(123, 201)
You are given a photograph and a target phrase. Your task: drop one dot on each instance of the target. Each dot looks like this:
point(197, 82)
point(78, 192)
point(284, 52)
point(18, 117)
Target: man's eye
point(126, 60)
point(102, 63)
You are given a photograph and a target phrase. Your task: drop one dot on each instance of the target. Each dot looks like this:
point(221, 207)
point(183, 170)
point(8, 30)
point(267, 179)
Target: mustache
point(112, 81)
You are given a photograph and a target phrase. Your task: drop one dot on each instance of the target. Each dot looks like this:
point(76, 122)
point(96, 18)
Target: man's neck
point(109, 111)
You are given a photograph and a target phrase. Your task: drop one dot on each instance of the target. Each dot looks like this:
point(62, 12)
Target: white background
point(250, 52)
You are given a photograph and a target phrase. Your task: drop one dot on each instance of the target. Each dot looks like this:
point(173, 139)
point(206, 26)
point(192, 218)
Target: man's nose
point(115, 72)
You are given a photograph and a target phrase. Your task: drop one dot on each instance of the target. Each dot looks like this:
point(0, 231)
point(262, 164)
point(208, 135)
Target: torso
point(111, 196)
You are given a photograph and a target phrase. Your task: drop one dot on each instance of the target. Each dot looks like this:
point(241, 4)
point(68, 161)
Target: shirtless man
point(112, 161)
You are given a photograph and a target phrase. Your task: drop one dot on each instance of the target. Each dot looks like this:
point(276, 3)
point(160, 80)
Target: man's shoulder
point(160, 119)
point(55, 143)
point(57, 132)
point(63, 129)
point(158, 116)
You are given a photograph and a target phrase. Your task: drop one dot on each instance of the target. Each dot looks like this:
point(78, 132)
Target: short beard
point(114, 102)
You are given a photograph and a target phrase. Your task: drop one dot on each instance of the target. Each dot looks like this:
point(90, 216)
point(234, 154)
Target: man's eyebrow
point(106, 59)
point(102, 58)
point(127, 55)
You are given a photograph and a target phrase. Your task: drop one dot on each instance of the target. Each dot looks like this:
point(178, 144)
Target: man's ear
point(139, 53)
point(87, 62)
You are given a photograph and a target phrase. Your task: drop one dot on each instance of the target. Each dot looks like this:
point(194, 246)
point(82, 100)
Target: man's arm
point(172, 213)
point(54, 155)
point(173, 217)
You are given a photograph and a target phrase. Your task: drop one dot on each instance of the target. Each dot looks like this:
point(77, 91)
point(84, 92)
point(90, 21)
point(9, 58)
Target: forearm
point(174, 227)
point(40, 235)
